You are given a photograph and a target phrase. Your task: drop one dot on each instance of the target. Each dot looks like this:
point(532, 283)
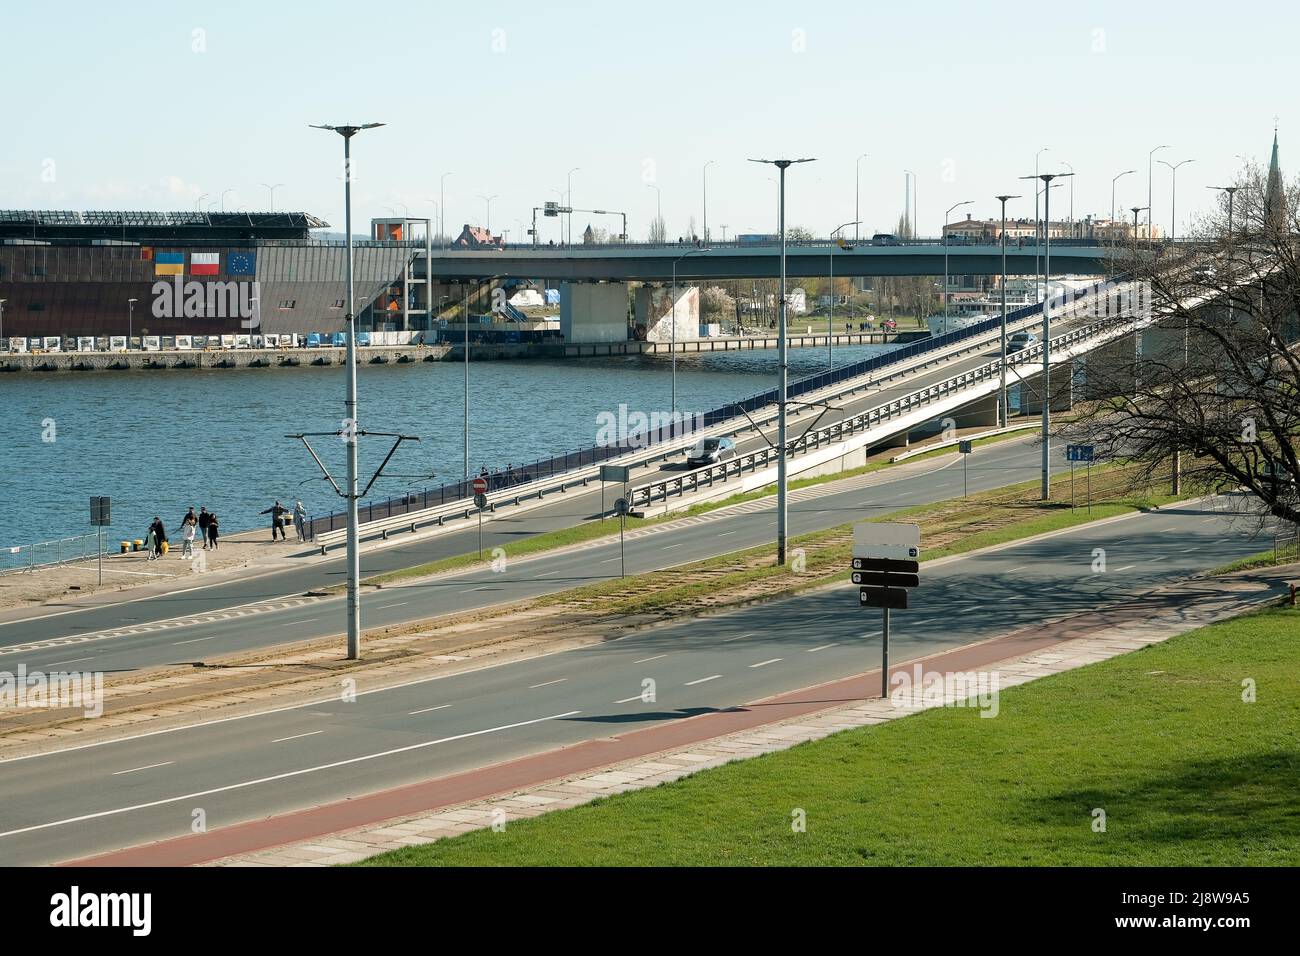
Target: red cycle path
point(525, 772)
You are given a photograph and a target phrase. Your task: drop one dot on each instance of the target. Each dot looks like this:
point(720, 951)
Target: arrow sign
point(885, 579)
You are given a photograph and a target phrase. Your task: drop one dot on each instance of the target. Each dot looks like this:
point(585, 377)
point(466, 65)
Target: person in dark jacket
point(159, 535)
point(204, 518)
point(212, 530)
point(277, 512)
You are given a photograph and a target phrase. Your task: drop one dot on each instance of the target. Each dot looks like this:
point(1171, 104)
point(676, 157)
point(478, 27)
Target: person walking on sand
point(300, 520)
point(158, 537)
point(277, 512)
point(204, 518)
point(212, 530)
point(150, 544)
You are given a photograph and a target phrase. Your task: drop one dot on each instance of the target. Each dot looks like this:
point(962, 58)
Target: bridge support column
point(1110, 370)
point(654, 312)
point(980, 414)
point(593, 312)
point(1062, 398)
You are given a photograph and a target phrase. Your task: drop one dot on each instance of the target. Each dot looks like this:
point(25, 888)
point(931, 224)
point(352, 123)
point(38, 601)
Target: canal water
point(158, 442)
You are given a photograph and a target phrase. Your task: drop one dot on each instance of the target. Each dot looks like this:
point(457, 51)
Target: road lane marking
point(723, 533)
point(151, 766)
point(427, 710)
point(548, 683)
point(765, 663)
point(678, 545)
point(308, 621)
point(195, 640)
point(1019, 567)
point(382, 606)
point(280, 740)
point(814, 650)
point(1189, 550)
point(628, 700)
point(1127, 567)
point(702, 680)
point(75, 660)
point(287, 775)
point(646, 659)
point(738, 637)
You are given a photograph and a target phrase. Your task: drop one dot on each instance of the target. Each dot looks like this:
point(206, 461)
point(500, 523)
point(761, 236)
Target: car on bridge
point(711, 451)
point(885, 239)
point(1021, 340)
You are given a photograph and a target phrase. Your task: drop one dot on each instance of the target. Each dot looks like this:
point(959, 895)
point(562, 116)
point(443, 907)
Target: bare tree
point(1214, 395)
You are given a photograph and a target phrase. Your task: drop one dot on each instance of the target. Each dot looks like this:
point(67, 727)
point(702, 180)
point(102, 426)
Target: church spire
point(1274, 193)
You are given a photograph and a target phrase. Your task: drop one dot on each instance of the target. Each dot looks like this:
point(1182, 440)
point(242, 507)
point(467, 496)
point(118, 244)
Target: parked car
point(1274, 476)
point(711, 451)
point(1021, 340)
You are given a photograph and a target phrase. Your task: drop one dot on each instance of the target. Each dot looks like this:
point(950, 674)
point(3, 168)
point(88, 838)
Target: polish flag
point(205, 263)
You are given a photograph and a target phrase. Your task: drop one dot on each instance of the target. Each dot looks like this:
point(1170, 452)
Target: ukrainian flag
point(169, 264)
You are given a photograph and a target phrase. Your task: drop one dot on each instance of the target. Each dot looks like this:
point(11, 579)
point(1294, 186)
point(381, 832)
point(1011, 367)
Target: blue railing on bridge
point(586, 457)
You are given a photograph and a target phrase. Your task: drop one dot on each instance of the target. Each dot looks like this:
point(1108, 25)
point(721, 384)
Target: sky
point(152, 105)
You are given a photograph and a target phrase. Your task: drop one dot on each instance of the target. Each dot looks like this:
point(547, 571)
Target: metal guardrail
point(544, 468)
point(42, 554)
point(662, 490)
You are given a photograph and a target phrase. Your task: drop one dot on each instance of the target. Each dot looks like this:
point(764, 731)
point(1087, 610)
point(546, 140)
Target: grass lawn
point(1160, 739)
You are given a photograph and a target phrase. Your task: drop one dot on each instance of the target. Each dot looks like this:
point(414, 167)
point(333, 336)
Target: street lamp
point(1135, 210)
point(1064, 163)
point(830, 316)
point(223, 197)
point(350, 402)
point(857, 195)
point(569, 195)
point(1231, 193)
point(673, 334)
point(784, 369)
point(966, 202)
point(1038, 224)
point(272, 187)
point(705, 176)
point(1002, 407)
point(1150, 168)
point(1173, 194)
point(198, 203)
point(908, 226)
point(1118, 176)
point(442, 207)
point(488, 201)
point(1046, 385)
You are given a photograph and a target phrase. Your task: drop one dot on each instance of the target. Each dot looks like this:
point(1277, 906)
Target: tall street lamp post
point(569, 197)
point(1118, 176)
point(705, 177)
point(1003, 413)
point(1045, 387)
point(350, 403)
point(784, 368)
point(1150, 170)
point(1038, 222)
point(1231, 191)
point(1173, 194)
point(830, 316)
point(857, 196)
point(442, 207)
point(965, 202)
point(488, 201)
point(272, 187)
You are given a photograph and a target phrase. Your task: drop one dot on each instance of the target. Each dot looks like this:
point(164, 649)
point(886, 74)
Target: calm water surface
point(158, 442)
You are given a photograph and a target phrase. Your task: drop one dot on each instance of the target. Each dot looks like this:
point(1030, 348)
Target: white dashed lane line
point(765, 663)
point(702, 680)
point(547, 683)
point(427, 710)
point(151, 766)
point(628, 700)
point(648, 659)
point(814, 650)
point(281, 740)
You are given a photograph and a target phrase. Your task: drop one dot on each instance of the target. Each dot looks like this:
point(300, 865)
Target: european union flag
point(241, 263)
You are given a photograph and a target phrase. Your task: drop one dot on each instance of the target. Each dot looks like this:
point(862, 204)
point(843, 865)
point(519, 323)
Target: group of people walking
point(204, 525)
point(498, 479)
point(207, 528)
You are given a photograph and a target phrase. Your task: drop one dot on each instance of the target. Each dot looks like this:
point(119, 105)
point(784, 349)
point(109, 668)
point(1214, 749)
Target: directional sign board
point(881, 539)
point(886, 579)
point(621, 473)
point(965, 447)
point(1078, 453)
point(893, 598)
point(886, 564)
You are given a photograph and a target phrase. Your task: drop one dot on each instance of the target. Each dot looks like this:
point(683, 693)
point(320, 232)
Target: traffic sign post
point(886, 562)
point(621, 507)
point(965, 447)
point(100, 517)
point(621, 473)
point(480, 502)
point(1077, 453)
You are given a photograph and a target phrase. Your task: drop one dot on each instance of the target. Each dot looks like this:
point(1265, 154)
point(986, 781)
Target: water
point(158, 442)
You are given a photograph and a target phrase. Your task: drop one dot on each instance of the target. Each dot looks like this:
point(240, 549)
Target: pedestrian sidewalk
point(1075, 642)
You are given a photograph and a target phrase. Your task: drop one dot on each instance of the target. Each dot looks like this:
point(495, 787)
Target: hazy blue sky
point(124, 105)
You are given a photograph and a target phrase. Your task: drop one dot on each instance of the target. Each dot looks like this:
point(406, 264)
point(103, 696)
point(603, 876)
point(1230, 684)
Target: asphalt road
point(80, 801)
point(204, 634)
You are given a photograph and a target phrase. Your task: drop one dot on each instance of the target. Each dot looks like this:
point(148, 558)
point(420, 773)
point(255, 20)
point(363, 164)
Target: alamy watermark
point(628, 429)
point(212, 299)
point(922, 688)
point(54, 690)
